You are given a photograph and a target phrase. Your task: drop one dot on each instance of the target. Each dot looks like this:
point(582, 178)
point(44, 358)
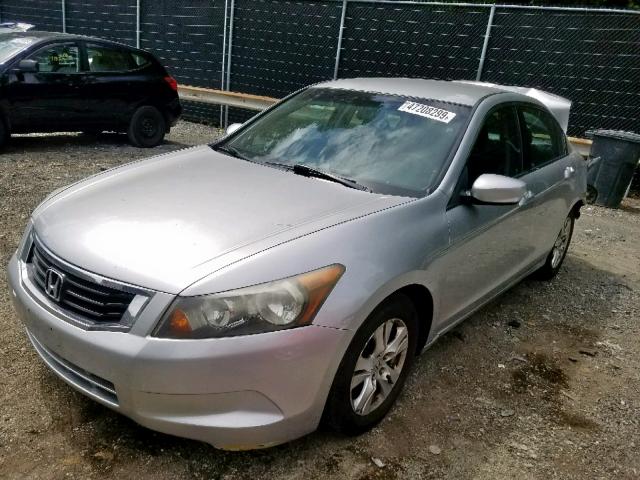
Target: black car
point(52, 82)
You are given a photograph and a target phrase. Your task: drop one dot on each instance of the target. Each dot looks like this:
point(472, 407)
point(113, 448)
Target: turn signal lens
point(318, 285)
point(179, 323)
point(288, 303)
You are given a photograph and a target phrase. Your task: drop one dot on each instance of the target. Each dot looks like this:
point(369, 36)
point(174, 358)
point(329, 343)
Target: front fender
point(381, 252)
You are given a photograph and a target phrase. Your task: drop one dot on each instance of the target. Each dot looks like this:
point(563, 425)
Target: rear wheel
point(4, 133)
point(375, 367)
point(558, 252)
point(147, 127)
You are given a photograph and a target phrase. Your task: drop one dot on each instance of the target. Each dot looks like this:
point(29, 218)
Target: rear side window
point(60, 58)
point(542, 138)
point(102, 58)
point(141, 60)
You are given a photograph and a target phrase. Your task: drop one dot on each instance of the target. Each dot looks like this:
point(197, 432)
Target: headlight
point(287, 303)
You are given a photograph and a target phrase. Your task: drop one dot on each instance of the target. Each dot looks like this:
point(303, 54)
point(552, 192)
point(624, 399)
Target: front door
point(488, 243)
point(49, 99)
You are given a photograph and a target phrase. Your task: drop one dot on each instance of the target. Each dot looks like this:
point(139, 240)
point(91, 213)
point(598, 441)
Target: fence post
point(138, 23)
point(63, 6)
point(339, 47)
point(228, 70)
point(485, 45)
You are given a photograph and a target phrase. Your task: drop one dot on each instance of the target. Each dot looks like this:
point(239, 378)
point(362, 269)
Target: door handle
point(569, 171)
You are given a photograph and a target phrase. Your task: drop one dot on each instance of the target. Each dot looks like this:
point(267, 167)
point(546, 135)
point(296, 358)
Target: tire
point(147, 127)
point(340, 411)
point(4, 133)
point(592, 194)
point(556, 256)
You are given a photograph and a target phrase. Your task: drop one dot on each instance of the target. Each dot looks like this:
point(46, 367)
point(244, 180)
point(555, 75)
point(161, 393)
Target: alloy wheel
point(562, 243)
point(379, 366)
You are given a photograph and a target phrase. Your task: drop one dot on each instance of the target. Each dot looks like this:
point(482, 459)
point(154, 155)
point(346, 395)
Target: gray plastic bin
point(619, 153)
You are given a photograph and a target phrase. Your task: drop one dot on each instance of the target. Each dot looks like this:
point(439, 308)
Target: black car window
point(140, 59)
point(542, 137)
point(497, 148)
point(58, 58)
point(102, 58)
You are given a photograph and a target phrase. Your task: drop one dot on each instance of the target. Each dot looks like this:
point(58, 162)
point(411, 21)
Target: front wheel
point(147, 127)
point(374, 369)
point(558, 252)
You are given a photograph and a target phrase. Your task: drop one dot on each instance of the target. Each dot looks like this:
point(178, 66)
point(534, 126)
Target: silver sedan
point(242, 292)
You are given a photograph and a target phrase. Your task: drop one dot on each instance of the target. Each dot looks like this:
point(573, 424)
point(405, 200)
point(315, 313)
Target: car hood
point(166, 222)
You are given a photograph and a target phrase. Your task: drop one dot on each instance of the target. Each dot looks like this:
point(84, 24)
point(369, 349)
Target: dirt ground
point(543, 383)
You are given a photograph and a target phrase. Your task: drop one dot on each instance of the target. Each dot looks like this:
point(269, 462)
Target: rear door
point(49, 99)
point(116, 82)
point(547, 171)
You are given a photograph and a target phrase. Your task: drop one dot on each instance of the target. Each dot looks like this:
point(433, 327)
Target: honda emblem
point(53, 284)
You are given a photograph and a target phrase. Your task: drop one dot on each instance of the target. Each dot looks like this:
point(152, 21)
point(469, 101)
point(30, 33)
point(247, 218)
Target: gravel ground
point(542, 383)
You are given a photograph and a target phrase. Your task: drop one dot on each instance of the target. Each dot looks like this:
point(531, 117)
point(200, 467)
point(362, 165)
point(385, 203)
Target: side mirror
point(28, 66)
point(497, 190)
point(232, 128)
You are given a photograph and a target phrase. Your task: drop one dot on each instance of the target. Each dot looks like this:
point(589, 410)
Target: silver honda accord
point(242, 292)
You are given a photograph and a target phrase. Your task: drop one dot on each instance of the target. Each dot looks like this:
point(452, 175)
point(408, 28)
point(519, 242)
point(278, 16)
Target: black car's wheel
point(147, 127)
point(592, 194)
point(4, 133)
point(558, 252)
point(374, 368)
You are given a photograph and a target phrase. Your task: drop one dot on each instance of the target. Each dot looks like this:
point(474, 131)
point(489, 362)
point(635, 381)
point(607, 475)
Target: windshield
point(387, 143)
point(10, 46)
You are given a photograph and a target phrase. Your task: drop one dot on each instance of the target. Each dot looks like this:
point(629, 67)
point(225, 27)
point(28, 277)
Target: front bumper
point(234, 393)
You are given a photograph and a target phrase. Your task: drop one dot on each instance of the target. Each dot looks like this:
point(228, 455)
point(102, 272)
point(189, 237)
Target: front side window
point(388, 143)
point(106, 59)
point(541, 137)
point(61, 58)
point(497, 149)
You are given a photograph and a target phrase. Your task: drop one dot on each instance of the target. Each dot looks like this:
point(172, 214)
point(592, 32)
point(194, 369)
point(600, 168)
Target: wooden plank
point(222, 97)
point(582, 145)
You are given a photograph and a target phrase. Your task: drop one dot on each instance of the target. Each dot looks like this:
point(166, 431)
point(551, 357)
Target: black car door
point(49, 99)
point(115, 83)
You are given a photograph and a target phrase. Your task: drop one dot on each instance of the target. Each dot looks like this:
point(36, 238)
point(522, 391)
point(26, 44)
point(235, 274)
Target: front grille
point(97, 303)
point(79, 377)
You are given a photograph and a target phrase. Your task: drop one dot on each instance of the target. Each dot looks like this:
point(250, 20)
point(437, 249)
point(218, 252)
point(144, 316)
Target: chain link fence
point(592, 58)
point(111, 19)
point(44, 14)
point(412, 40)
point(274, 47)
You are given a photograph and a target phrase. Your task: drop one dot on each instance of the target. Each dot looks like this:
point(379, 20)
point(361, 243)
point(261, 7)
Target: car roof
point(462, 92)
point(446, 91)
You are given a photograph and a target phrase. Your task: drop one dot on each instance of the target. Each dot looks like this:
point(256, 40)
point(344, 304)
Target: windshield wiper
point(230, 151)
point(308, 171)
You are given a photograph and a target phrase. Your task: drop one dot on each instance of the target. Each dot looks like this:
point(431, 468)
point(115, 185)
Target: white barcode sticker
point(427, 111)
